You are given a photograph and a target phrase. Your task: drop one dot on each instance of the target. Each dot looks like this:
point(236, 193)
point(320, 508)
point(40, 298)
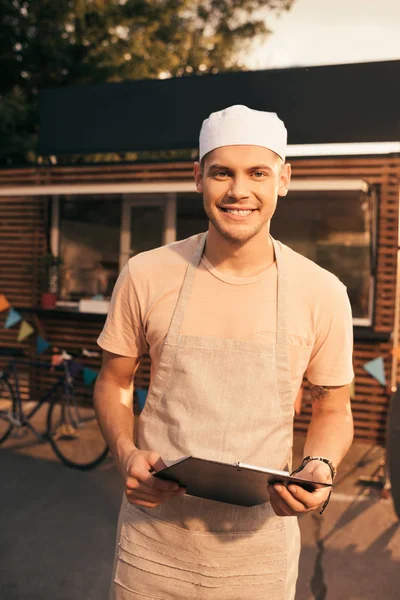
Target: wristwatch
point(323, 459)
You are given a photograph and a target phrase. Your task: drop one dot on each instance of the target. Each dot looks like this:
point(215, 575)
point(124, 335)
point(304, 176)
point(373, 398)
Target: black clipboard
point(235, 483)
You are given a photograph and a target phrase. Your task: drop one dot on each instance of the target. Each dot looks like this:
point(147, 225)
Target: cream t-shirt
point(320, 330)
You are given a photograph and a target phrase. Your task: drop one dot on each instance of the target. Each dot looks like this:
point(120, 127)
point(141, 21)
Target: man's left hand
point(293, 501)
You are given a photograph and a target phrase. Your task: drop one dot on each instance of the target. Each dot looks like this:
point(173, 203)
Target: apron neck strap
point(281, 307)
point(186, 288)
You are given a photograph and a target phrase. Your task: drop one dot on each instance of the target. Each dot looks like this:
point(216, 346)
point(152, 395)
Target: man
point(232, 320)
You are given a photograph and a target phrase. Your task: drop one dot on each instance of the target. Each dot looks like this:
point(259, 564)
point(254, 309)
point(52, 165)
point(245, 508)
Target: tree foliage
point(46, 43)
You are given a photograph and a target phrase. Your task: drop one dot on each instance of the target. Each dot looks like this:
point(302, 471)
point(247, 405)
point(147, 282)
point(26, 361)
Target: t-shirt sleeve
point(331, 361)
point(123, 330)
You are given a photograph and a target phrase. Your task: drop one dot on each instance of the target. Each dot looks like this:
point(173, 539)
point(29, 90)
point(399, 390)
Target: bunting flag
point(89, 375)
point(89, 353)
point(13, 318)
point(396, 352)
point(376, 368)
point(141, 395)
point(25, 331)
point(4, 303)
point(56, 360)
point(58, 355)
point(41, 345)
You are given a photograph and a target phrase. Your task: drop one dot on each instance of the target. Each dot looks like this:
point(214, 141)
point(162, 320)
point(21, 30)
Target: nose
point(238, 189)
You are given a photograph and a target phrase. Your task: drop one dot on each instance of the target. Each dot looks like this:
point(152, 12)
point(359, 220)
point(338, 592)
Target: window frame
point(130, 193)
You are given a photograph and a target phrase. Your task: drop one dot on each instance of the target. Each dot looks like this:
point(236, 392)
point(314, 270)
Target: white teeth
point(242, 213)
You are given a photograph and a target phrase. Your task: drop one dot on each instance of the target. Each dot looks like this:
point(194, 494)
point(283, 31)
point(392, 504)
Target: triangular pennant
point(376, 368)
point(41, 345)
point(13, 318)
point(56, 360)
point(396, 352)
point(4, 303)
point(25, 331)
point(89, 375)
point(89, 353)
point(141, 395)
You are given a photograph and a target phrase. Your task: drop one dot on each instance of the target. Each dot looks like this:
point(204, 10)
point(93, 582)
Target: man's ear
point(198, 177)
point(284, 179)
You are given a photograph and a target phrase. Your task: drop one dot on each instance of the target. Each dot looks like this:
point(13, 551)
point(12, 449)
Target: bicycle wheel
point(7, 409)
point(74, 433)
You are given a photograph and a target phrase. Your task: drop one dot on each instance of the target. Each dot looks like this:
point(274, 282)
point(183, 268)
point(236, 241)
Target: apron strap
point(186, 288)
point(282, 346)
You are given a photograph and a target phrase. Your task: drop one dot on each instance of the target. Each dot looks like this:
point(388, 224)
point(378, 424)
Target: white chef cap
point(239, 125)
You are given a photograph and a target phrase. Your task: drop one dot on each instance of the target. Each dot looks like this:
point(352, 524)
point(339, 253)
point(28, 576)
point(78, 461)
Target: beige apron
point(226, 400)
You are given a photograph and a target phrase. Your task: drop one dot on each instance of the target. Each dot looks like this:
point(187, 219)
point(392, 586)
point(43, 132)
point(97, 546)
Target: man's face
point(240, 187)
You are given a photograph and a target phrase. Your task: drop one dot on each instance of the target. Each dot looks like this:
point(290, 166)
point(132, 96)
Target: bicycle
point(71, 429)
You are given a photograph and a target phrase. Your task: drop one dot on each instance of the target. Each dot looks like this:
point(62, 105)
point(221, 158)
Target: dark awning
point(339, 103)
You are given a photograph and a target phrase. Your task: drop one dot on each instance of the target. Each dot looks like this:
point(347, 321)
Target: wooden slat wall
point(371, 399)
point(22, 241)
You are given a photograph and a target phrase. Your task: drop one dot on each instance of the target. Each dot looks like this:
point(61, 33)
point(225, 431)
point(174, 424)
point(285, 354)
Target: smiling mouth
point(235, 211)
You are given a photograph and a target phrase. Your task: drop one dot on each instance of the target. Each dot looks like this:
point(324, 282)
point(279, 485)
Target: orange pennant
point(56, 360)
point(4, 303)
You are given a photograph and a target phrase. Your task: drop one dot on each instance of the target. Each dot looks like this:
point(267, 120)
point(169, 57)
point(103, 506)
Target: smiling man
point(232, 319)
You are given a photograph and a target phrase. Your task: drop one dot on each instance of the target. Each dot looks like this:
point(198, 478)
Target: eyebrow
point(254, 168)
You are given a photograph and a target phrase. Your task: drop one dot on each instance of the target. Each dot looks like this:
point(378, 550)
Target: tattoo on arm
point(319, 391)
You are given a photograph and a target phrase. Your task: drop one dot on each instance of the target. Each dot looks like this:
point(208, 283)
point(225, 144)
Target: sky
point(317, 32)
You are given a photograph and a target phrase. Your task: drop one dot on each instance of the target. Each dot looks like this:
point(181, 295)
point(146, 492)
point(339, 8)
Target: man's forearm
point(113, 405)
point(330, 434)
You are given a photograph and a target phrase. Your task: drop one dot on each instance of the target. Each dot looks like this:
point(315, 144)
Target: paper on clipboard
point(235, 483)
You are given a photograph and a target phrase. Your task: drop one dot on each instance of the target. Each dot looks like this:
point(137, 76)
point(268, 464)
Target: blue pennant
point(141, 395)
point(376, 368)
point(41, 345)
point(89, 375)
point(13, 318)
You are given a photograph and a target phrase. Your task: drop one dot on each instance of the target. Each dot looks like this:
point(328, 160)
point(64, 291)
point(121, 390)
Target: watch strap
point(323, 459)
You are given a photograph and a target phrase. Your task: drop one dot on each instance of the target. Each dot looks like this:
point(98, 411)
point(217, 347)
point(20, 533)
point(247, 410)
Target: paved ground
point(58, 528)
point(352, 551)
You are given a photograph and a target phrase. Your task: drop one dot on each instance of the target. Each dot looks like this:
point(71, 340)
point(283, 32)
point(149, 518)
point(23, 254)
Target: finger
point(279, 505)
point(141, 472)
point(155, 483)
point(280, 508)
point(156, 461)
point(294, 506)
point(310, 500)
point(159, 464)
point(135, 486)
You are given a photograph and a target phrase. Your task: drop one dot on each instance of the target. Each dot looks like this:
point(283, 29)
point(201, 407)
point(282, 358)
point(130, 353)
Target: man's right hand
point(141, 487)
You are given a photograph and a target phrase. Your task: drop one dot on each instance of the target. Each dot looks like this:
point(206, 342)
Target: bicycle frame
point(21, 418)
